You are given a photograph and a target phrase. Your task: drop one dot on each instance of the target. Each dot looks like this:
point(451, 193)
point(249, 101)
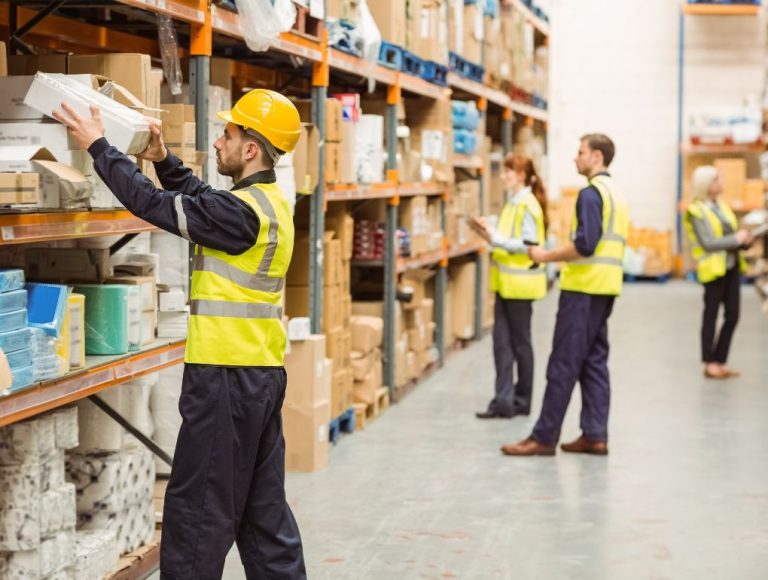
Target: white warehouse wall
point(614, 69)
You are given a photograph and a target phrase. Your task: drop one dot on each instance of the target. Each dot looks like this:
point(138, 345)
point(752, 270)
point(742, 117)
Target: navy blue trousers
point(512, 347)
point(579, 353)
point(228, 479)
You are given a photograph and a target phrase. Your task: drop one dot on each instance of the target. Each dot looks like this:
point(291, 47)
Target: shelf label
point(7, 232)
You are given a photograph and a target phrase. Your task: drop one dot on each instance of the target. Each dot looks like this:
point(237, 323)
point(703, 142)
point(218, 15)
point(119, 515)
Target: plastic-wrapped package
point(19, 358)
point(15, 320)
point(174, 250)
point(19, 530)
point(164, 403)
point(42, 344)
point(97, 431)
point(47, 368)
point(19, 443)
point(135, 404)
point(262, 22)
point(14, 300)
point(169, 51)
point(23, 378)
point(106, 318)
point(57, 553)
point(96, 552)
point(65, 424)
point(19, 488)
point(465, 115)
point(98, 479)
point(47, 305)
point(16, 339)
point(52, 471)
point(126, 129)
point(370, 35)
point(11, 279)
point(20, 565)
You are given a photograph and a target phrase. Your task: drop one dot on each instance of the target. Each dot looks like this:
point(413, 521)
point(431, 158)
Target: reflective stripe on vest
point(236, 299)
point(602, 273)
point(511, 275)
point(710, 265)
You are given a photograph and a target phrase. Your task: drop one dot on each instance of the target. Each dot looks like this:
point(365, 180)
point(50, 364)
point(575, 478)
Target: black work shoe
point(492, 415)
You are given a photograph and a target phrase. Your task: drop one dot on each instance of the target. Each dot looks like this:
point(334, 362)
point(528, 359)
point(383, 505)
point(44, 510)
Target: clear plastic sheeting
point(169, 51)
point(370, 36)
point(262, 22)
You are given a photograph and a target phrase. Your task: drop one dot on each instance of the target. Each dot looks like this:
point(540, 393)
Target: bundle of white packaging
point(164, 404)
point(37, 530)
point(369, 156)
point(114, 474)
point(173, 313)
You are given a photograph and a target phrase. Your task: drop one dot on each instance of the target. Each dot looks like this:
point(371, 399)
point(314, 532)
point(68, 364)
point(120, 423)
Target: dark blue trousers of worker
point(579, 353)
point(228, 479)
point(512, 347)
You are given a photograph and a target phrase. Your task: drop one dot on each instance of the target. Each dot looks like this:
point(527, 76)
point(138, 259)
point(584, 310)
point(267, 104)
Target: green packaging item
point(106, 318)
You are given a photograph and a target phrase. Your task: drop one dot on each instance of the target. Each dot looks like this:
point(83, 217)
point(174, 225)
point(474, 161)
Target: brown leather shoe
point(527, 447)
point(584, 445)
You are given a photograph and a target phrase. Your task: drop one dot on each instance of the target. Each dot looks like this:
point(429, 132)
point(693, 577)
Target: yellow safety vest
point(710, 265)
point(511, 274)
point(235, 301)
point(603, 272)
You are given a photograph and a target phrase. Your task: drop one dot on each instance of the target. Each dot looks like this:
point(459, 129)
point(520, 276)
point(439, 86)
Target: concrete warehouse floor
point(423, 492)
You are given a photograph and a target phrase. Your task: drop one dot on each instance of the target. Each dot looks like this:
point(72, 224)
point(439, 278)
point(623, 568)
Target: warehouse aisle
point(424, 493)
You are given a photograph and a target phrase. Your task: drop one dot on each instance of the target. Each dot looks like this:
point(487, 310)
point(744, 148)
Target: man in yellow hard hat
point(227, 480)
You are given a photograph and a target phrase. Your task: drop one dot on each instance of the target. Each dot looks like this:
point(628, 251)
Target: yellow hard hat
point(269, 114)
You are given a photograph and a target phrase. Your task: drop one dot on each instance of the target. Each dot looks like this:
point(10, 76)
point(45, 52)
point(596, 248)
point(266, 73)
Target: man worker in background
point(590, 280)
point(228, 477)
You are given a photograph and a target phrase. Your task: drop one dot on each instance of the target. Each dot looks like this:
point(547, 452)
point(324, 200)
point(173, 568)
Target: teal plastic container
point(19, 359)
point(106, 318)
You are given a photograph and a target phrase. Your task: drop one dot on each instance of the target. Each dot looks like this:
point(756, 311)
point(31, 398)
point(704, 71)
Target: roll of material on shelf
point(11, 279)
point(66, 427)
point(134, 405)
point(106, 318)
point(47, 305)
point(98, 431)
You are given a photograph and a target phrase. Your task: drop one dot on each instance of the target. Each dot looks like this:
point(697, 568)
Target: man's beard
point(232, 166)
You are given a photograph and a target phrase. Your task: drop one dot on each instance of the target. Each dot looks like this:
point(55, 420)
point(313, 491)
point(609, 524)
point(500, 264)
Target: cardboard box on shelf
point(473, 33)
point(427, 31)
point(306, 159)
point(332, 163)
point(733, 173)
point(21, 188)
point(131, 70)
point(362, 363)
point(341, 392)
point(179, 130)
point(342, 224)
point(332, 117)
point(367, 332)
point(332, 260)
point(414, 282)
point(376, 309)
point(147, 289)
point(365, 390)
point(753, 195)
point(62, 186)
point(417, 338)
point(462, 305)
point(67, 264)
point(306, 436)
point(390, 17)
point(3, 60)
point(305, 366)
point(297, 304)
point(30, 134)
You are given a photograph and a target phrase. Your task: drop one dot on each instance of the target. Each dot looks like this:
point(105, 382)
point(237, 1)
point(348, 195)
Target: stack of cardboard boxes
point(72, 183)
point(307, 406)
point(461, 299)
point(653, 249)
point(367, 336)
point(431, 135)
point(337, 301)
point(419, 326)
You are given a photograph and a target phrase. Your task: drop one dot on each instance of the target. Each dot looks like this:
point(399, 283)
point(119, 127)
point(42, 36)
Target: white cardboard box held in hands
point(125, 128)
